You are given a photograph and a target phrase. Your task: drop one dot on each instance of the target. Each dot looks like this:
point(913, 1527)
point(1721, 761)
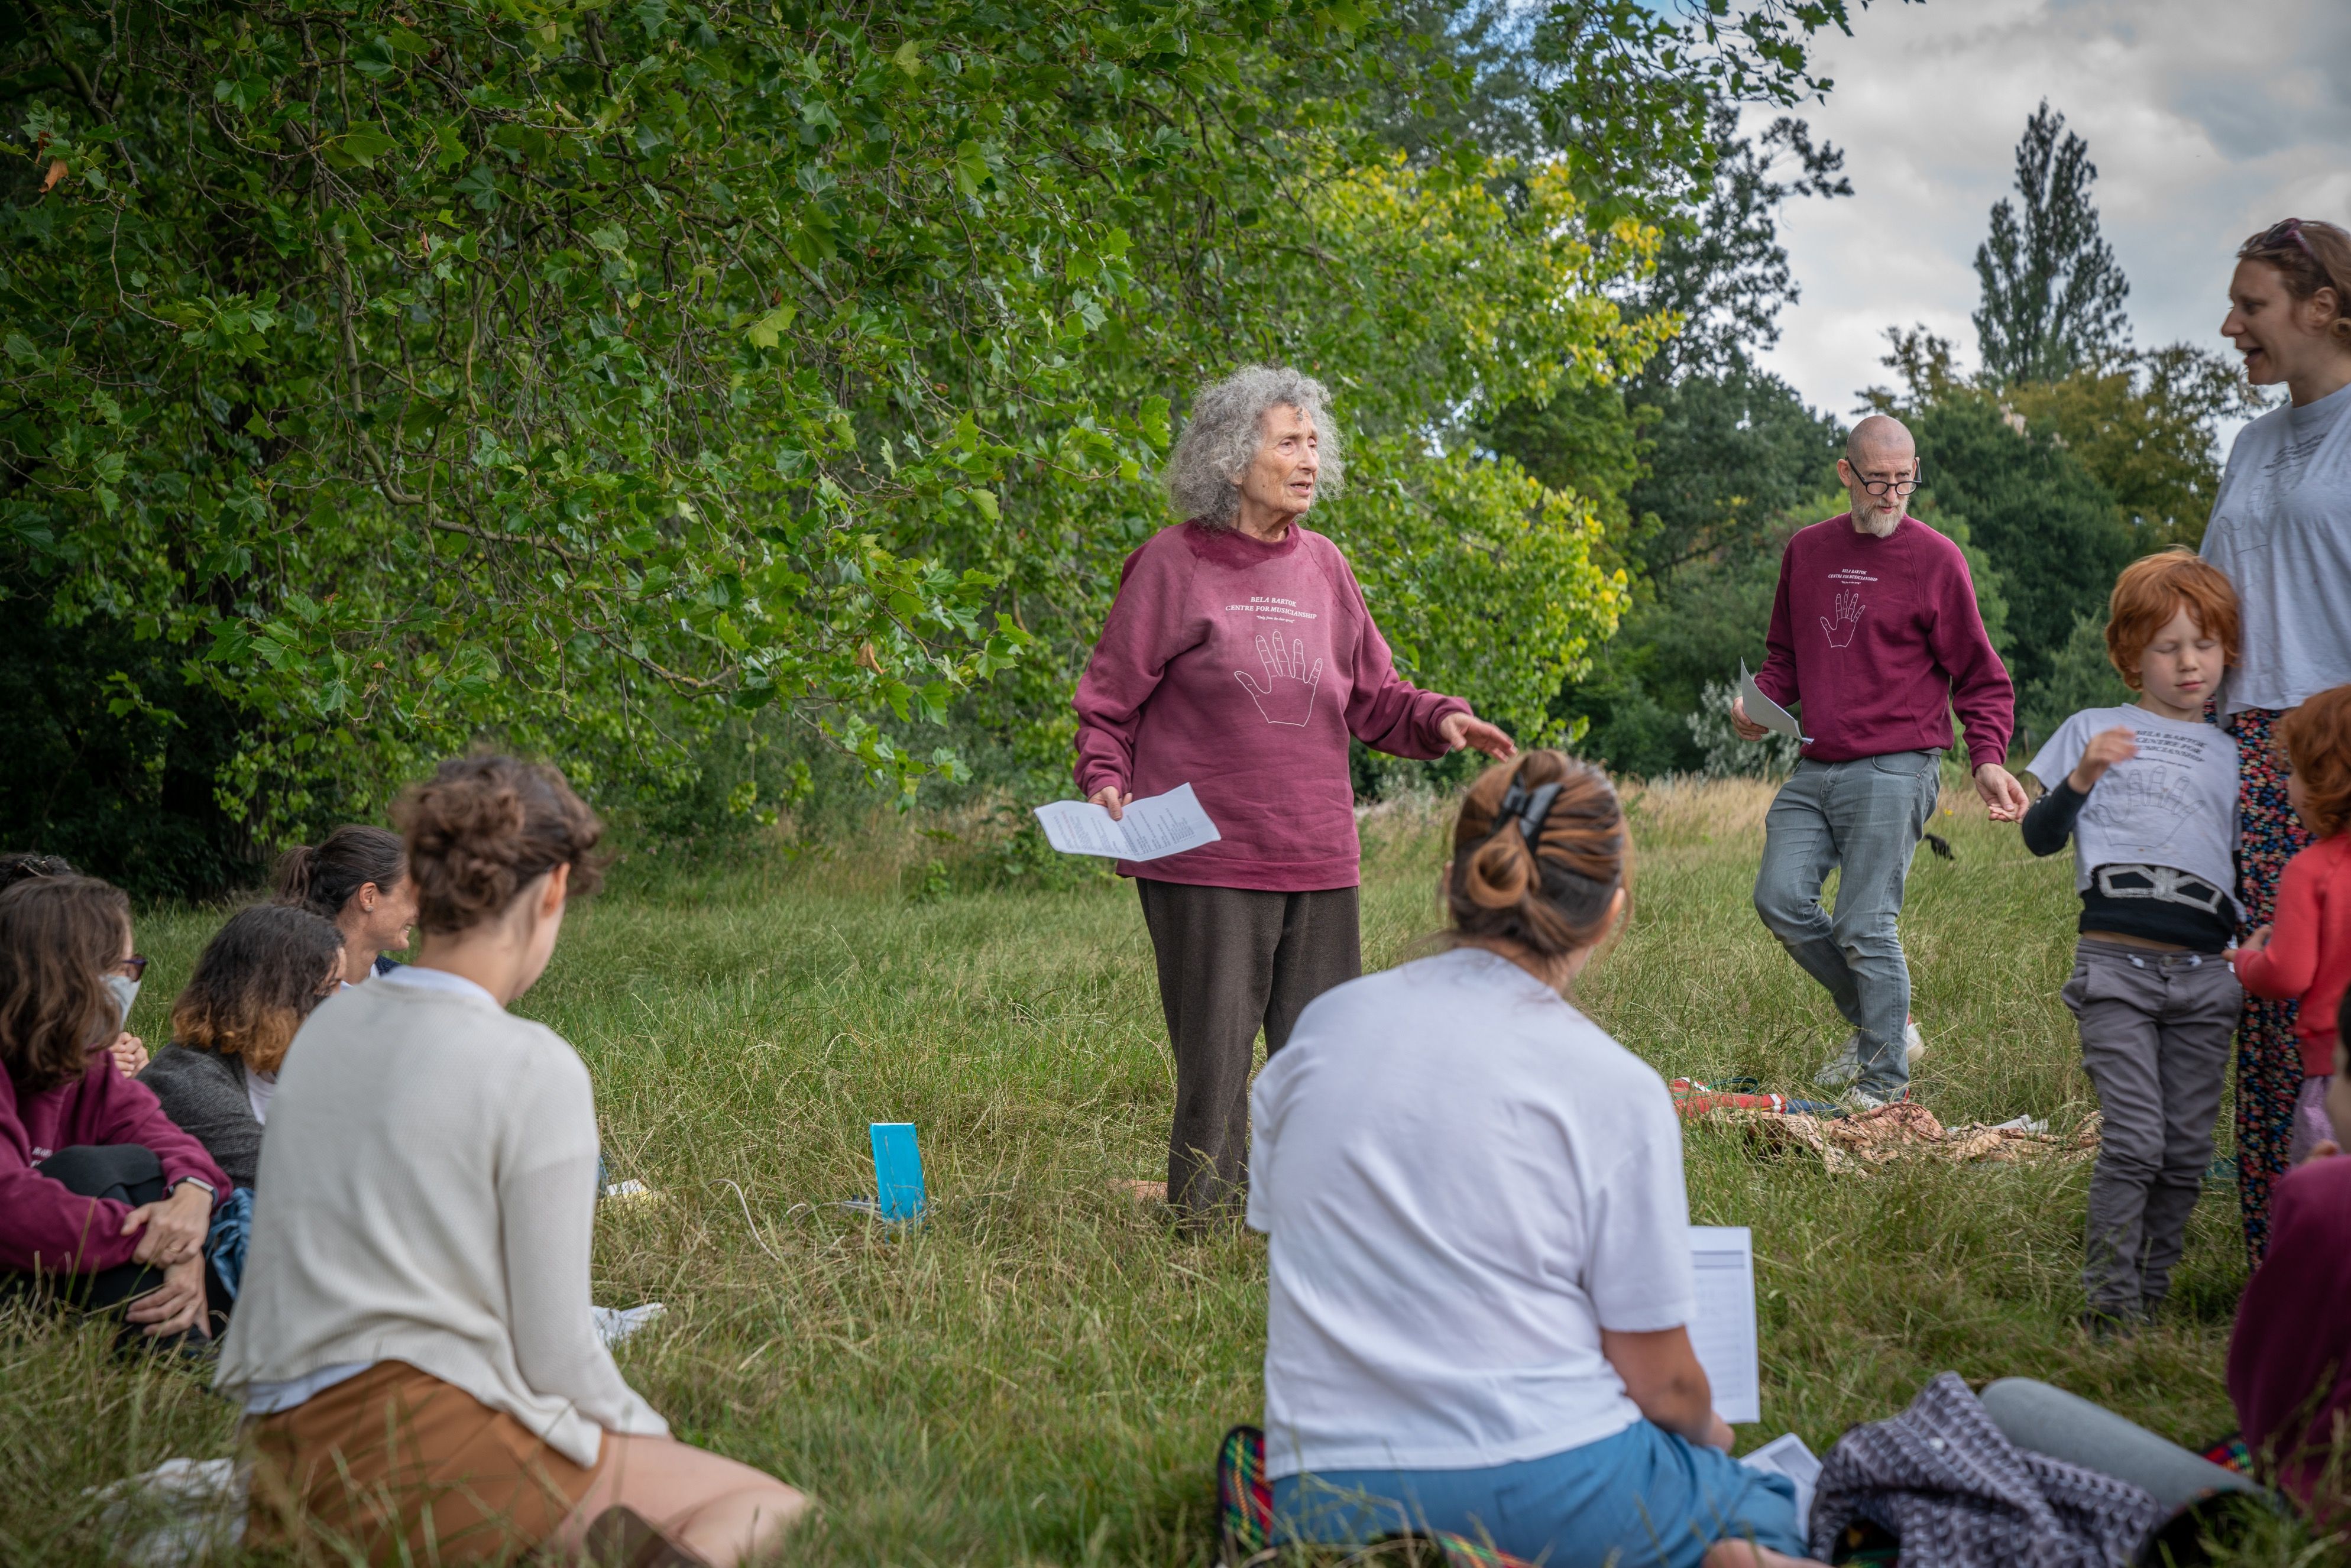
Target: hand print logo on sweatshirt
point(1849, 609)
point(2141, 803)
point(1288, 695)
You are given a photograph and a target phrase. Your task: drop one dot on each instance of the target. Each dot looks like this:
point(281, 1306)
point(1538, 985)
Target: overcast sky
point(2208, 119)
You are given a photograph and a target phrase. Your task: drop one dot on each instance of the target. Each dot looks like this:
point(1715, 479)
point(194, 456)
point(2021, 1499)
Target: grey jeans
point(2155, 1041)
point(1862, 820)
point(1232, 960)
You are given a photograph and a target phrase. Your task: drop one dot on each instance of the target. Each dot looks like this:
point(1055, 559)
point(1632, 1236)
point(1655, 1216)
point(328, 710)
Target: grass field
point(1040, 1372)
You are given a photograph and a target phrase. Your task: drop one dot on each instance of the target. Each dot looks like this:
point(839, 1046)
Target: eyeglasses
point(1899, 487)
point(135, 966)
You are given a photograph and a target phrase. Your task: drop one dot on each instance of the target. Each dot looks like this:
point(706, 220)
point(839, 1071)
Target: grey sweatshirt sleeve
point(202, 1093)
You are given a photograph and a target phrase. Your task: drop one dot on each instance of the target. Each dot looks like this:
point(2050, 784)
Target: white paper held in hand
point(1160, 825)
point(1722, 1257)
point(1764, 711)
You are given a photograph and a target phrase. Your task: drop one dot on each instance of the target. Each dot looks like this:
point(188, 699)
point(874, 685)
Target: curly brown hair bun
point(1552, 896)
point(483, 829)
point(60, 936)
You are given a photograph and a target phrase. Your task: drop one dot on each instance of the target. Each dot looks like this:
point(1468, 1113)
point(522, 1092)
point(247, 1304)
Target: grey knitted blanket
point(1958, 1494)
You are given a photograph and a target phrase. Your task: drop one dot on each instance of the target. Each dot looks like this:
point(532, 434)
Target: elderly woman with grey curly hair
point(1241, 658)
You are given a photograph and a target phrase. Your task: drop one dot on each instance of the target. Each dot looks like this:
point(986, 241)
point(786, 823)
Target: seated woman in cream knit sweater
point(414, 1343)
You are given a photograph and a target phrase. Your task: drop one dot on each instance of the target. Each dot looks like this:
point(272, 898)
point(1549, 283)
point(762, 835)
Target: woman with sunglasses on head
point(104, 1203)
point(1479, 1284)
point(2281, 528)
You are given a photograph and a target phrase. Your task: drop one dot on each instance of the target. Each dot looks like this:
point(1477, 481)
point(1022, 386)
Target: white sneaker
point(1845, 1067)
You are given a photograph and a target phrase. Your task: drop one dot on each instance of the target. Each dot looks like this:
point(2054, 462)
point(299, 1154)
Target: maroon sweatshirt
point(40, 1221)
point(1880, 638)
point(1241, 668)
point(2290, 1355)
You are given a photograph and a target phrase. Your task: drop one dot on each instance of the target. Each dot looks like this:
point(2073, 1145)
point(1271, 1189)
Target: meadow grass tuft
point(1038, 1373)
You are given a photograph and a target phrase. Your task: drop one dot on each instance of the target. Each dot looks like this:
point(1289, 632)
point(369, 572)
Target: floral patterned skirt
point(2269, 1058)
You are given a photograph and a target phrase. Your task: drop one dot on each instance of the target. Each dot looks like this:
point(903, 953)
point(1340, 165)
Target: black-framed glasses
point(134, 967)
point(1899, 487)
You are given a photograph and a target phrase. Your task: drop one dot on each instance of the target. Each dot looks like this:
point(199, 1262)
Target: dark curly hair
point(483, 828)
point(1552, 896)
point(257, 979)
point(60, 938)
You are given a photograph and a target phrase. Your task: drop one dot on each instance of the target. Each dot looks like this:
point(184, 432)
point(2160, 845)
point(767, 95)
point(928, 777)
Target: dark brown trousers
point(1233, 960)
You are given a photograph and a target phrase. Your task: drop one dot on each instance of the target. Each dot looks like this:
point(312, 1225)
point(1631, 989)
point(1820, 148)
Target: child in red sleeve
point(2306, 954)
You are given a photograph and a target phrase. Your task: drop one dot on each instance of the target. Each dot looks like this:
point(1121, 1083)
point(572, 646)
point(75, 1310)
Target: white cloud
point(2207, 122)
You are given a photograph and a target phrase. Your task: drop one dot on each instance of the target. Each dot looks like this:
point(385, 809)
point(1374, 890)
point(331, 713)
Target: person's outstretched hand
point(2003, 796)
point(1110, 799)
point(1461, 729)
point(2255, 940)
point(1747, 728)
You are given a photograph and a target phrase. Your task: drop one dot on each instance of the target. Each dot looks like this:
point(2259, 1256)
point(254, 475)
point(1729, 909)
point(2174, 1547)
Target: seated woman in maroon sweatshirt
point(103, 1202)
point(2290, 1357)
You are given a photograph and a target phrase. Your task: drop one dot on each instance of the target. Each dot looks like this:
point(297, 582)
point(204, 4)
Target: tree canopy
point(385, 377)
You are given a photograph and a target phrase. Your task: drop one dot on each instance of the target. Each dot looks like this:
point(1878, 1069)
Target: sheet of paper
point(1723, 1258)
point(1157, 825)
point(1764, 711)
point(1786, 1454)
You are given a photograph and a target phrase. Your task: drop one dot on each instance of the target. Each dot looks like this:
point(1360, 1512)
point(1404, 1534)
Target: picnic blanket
point(1245, 1516)
point(1863, 1139)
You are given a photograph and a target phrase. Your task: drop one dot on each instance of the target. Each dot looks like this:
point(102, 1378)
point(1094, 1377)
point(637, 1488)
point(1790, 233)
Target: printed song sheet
point(1723, 1335)
point(1764, 711)
point(1160, 825)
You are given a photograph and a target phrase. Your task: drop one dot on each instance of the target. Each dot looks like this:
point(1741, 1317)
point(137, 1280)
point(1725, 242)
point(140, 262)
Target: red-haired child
point(2305, 953)
point(2147, 794)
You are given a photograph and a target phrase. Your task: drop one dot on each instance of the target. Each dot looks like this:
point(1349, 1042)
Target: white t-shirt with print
point(2174, 804)
point(1463, 1179)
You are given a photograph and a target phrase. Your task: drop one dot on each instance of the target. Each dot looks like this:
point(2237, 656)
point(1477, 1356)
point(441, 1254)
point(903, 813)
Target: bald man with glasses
point(1875, 633)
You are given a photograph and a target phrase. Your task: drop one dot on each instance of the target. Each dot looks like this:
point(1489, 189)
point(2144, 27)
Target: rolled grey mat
point(2194, 1492)
point(2034, 1415)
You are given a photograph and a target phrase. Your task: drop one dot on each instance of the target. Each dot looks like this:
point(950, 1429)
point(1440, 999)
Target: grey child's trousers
point(2155, 1041)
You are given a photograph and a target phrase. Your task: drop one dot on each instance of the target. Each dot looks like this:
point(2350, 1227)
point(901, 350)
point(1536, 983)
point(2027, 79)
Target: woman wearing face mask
point(357, 876)
point(2281, 528)
point(103, 1202)
point(130, 1052)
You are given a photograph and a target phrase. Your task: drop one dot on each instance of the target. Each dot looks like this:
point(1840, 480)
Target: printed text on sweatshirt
point(1242, 668)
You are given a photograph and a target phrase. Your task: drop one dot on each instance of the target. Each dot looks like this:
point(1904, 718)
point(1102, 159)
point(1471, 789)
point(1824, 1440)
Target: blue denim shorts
point(1642, 1499)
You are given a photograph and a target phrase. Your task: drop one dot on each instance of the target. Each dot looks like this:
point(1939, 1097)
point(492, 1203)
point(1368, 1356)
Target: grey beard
point(1878, 523)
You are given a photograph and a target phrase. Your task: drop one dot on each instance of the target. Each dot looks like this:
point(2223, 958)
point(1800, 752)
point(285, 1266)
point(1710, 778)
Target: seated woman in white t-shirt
point(1480, 1281)
point(414, 1325)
